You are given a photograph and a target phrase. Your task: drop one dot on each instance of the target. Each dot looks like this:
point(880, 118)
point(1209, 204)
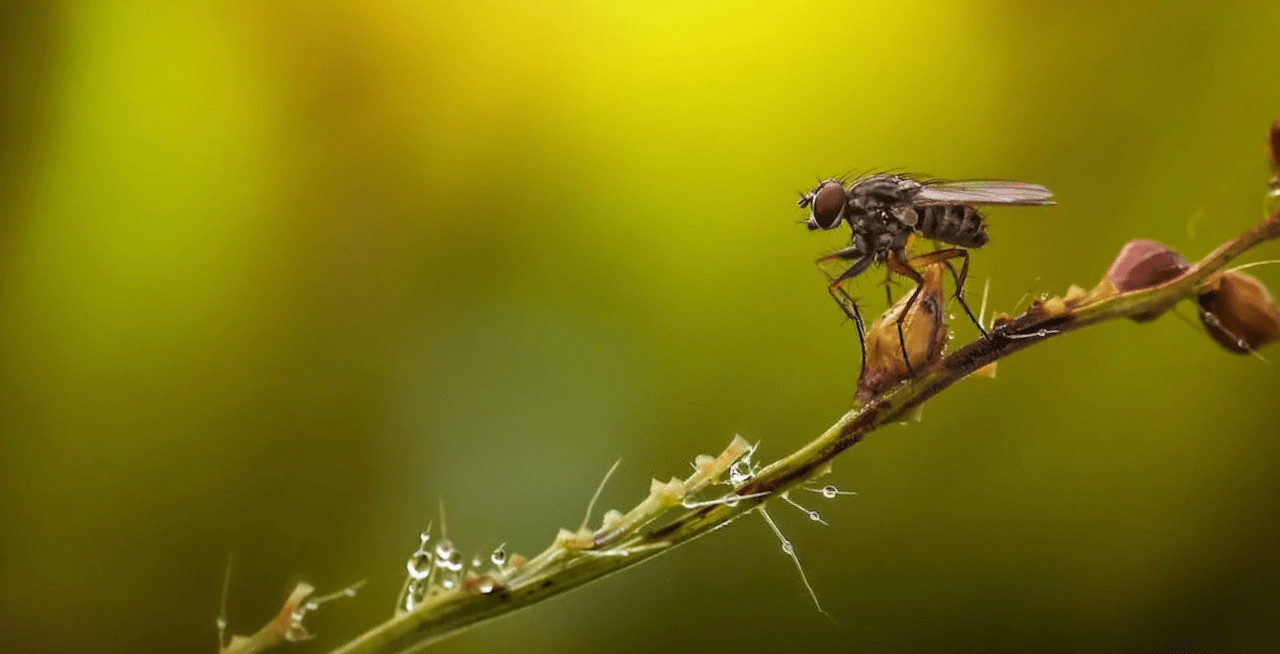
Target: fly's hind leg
point(944, 256)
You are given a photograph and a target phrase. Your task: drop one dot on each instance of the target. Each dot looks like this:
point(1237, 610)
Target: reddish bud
point(1141, 264)
point(1144, 263)
point(1274, 142)
point(1240, 313)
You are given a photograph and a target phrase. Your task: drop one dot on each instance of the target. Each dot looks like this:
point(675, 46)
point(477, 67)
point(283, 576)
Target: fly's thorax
point(859, 243)
point(887, 241)
point(882, 191)
point(856, 217)
point(877, 231)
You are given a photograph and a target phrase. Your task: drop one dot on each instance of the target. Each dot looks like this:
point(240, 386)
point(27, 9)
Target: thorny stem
point(572, 561)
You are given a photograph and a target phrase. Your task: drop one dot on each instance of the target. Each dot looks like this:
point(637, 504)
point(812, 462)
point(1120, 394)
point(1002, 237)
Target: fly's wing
point(983, 192)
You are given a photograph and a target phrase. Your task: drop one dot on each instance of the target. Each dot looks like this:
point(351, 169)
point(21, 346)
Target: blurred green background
point(275, 277)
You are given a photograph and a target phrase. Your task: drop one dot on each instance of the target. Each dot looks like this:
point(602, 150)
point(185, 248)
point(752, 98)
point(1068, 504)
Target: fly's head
point(827, 204)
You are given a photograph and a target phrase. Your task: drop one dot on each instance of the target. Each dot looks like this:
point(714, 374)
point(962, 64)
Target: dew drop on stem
point(419, 565)
point(444, 549)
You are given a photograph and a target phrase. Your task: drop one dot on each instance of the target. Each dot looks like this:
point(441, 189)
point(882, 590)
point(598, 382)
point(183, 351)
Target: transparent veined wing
point(984, 192)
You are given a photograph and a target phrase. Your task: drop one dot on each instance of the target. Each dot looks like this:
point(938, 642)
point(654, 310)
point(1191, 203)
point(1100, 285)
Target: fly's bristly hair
point(855, 176)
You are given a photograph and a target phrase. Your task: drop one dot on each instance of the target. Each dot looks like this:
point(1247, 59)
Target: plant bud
point(923, 332)
point(1141, 264)
point(1274, 142)
point(1240, 313)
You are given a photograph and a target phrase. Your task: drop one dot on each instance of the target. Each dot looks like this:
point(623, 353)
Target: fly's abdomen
point(957, 224)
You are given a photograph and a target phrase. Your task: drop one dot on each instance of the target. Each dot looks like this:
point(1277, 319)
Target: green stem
point(566, 565)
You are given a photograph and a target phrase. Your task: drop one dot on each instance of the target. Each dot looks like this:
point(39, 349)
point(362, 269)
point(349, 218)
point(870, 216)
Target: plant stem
point(576, 559)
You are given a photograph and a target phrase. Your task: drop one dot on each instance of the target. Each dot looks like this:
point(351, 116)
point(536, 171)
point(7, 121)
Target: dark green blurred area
point(276, 277)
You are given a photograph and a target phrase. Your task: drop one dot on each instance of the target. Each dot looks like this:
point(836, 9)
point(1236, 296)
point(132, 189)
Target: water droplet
point(475, 561)
point(951, 316)
point(221, 623)
point(951, 336)
point(452, 563)
point(738, 476)
point(416, 592)
point(448, 583)
point(419, 565)
point(786, 547)
point(444, 549)
point(486, 587)
point(312, 605)
point(349, 592)
point(731, 500)
point(499, 556)
point(829, 492)
point(815, 516)
point(424, 536)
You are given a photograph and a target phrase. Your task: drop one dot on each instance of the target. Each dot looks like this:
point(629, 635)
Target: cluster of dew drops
point(829, 492)
point(744, 470)
point(442, 568)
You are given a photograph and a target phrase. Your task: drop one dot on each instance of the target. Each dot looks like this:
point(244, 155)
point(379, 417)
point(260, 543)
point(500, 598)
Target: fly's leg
point(842, 299)
point(945, 256)
point(850, 308)
point(898, 263)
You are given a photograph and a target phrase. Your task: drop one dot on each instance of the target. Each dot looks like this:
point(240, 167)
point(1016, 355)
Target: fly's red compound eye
point(828, 206)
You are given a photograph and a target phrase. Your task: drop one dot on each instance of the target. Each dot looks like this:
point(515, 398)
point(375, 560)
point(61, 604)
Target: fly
point(883, 211)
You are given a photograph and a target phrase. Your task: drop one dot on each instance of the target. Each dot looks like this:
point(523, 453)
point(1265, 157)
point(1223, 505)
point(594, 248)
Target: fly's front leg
point(850, 308)
point(847, 304)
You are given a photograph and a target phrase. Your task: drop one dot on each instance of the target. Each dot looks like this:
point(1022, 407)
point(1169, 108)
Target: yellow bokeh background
point(277, 277)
